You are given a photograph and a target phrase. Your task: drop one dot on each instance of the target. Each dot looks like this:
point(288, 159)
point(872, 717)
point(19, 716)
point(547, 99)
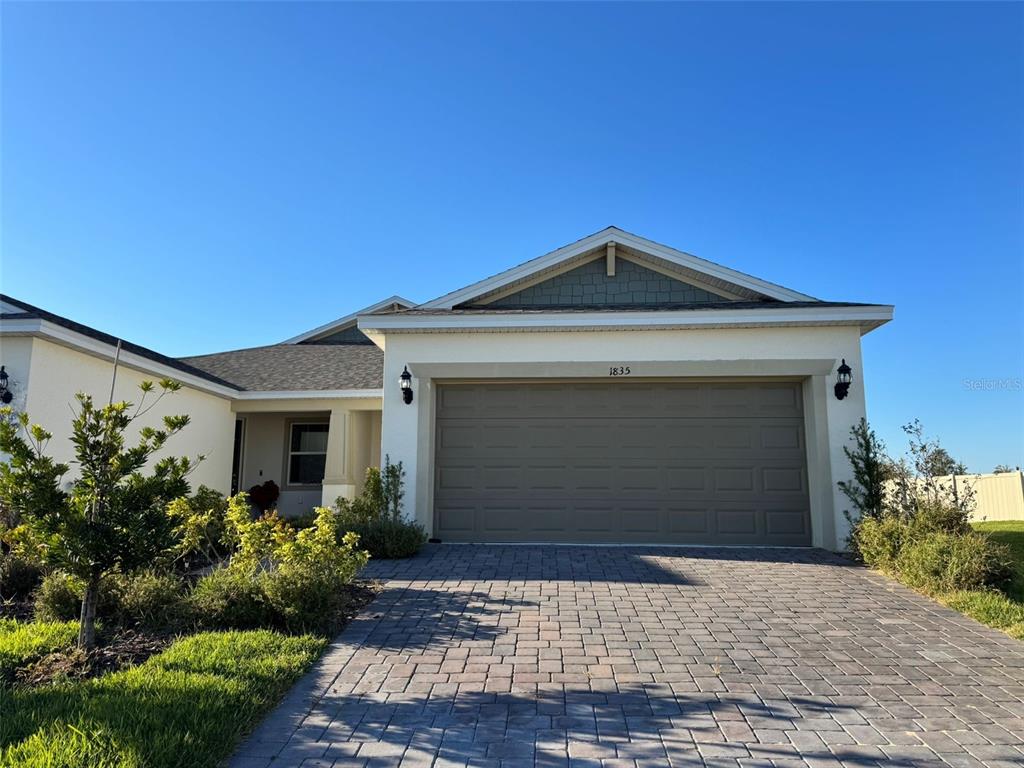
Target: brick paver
point(578, 656)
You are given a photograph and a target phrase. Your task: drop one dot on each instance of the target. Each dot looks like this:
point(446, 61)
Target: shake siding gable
point(590, 285)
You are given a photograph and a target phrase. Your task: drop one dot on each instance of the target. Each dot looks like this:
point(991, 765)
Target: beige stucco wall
point(809, 354)
point(57, 373)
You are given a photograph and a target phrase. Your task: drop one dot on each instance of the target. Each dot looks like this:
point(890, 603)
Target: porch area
point(315, 450)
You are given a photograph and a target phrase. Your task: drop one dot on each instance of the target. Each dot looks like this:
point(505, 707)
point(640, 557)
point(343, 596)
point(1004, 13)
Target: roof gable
point(337, 331)
point(698, 272)
point(595, 283)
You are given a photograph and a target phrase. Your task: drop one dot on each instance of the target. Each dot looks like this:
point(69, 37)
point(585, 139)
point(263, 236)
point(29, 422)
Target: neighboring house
point(614, 390)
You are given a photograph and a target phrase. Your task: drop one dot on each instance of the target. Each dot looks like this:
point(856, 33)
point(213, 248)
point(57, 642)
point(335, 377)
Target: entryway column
point(358, 454)
point(337, 480)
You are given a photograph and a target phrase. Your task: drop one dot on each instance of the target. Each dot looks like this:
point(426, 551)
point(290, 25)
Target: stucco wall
point(809, 354)
point(57, 373)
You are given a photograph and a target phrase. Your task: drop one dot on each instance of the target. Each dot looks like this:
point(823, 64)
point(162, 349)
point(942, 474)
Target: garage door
point(641, 462)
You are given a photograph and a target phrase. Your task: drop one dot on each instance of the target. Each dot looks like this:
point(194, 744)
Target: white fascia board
point(616, 235)
point(870, 316)
point(309, 394)
point(348, 319)
point(58, 334)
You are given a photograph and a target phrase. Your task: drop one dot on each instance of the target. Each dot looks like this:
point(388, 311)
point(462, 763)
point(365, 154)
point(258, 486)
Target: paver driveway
point(509, 656)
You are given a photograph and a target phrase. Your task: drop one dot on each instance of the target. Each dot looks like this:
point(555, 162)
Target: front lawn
point(187, 706)
point(1002, 609)
point(21, 644)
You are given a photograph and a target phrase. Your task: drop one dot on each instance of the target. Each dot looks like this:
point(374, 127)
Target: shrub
point(934, 515)
point(879, 540)
point(387, 539)
point(376, 515)
point(199, 527)
point(148, 599)
point(312, 568)
point(228, 599)
point(944, 562)
point(278, 576)
point(18, 576)
point(369, 504)
point(59, 597)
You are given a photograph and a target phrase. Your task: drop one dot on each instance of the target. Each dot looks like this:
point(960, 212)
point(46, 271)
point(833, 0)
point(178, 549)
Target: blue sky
point(206, 176)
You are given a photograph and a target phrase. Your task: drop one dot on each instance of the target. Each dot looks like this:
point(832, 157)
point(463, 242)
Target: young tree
point(866, 491)
point(113, 516)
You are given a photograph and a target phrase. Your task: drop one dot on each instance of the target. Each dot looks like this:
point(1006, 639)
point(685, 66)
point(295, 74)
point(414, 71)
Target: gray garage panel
point(642, 462)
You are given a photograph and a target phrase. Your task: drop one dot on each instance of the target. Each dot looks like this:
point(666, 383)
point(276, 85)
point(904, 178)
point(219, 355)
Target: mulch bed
point(128, 647)
point(125, 648)
point(359, 595)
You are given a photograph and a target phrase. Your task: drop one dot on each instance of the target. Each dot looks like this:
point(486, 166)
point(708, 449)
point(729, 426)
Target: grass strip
point(187, 706)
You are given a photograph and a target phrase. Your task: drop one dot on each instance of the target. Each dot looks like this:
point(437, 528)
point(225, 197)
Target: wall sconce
point(844, 375)
point(405, 380)
point(5, 393)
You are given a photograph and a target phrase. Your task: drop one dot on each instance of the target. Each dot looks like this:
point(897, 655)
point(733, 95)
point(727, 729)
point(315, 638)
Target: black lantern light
point(405, 379)
point(844, 375)
point(5, 393)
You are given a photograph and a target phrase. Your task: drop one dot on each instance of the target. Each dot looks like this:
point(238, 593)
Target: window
point(307, 454)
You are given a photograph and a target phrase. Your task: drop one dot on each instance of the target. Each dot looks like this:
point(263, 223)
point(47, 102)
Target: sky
point(197, 177)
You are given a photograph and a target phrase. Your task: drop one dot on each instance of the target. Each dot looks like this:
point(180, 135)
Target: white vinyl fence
point(996, 497)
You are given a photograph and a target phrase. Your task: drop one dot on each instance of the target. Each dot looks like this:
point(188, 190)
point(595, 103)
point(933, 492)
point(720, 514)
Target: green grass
point(1010, 533)
point(1003, 609)
point(187, 706)
point(22, 643)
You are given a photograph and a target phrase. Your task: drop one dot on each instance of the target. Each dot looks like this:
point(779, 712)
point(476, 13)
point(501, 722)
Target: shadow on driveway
point(649, 565)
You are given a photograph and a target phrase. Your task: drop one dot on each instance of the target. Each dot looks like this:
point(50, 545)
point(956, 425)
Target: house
point(614, 390)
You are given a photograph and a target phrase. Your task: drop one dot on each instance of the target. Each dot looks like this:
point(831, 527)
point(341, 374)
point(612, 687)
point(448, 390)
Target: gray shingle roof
point(623, 308)
point(297, 367)
point(34, 312)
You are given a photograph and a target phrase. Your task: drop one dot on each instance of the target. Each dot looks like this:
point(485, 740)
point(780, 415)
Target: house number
point(619, 370)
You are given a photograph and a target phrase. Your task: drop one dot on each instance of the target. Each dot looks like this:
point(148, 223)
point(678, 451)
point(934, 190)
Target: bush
point(280, 577)
point(375, 515)
point(879, 540)
point(59, 597)
point(228, 599)
point(18, 576)
point(387, 539)
point(305, 588)
point(934, 515)
point(199, 527)
point(944, 562)
point(148, 599)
